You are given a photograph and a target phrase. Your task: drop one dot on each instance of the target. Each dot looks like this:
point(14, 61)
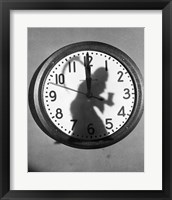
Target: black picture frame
point(5, 7)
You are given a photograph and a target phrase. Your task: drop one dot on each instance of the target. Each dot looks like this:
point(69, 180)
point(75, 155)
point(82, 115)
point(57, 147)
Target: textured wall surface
point(45, 154)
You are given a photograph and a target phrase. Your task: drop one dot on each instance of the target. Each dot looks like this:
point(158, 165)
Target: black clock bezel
point(36, 99)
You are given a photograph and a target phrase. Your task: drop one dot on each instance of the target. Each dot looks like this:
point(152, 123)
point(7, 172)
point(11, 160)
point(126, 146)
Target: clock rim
point(37, 105)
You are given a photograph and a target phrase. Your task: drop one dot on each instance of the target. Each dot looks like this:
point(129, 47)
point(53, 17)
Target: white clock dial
point(95, 116)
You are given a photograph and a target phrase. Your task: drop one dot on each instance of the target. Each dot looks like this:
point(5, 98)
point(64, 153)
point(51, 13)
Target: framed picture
point(85, 99)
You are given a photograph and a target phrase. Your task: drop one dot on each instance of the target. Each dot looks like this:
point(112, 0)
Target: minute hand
point(88, 75)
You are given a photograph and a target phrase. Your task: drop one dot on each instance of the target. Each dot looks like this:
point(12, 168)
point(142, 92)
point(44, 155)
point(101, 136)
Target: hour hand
point(88, 75)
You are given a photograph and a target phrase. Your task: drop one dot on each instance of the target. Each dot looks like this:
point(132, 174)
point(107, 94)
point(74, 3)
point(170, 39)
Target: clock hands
point(88, 75)
point(91, 96)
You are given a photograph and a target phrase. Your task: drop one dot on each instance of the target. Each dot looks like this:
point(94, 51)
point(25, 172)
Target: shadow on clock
point(86, 111)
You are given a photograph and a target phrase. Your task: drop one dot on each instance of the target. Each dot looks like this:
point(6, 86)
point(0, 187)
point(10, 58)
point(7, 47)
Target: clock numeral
point(109, 123)
point(90, 58)
point(120, 76)
point(121, 112)
point(60, 79)
point(70, 67)
point(127, 92)
point(59, 113)
point(74, 122)
point(53, 95)
point(90, 129)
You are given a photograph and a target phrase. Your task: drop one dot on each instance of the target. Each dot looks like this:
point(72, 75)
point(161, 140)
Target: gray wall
point(44, 154)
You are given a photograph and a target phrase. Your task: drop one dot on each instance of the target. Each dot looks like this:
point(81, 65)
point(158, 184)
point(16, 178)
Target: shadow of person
point(89, 124)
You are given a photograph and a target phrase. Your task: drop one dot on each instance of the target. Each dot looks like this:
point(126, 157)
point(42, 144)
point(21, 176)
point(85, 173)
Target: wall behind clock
point(46, 155)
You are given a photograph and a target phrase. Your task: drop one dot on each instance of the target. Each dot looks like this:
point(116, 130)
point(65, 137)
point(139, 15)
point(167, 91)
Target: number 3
point(127, 92)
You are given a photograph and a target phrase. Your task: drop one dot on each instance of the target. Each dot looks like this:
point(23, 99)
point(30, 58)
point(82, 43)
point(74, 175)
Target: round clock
point(87, 95)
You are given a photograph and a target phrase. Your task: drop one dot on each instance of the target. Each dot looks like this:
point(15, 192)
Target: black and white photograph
point(85, 99)
point(85, 107)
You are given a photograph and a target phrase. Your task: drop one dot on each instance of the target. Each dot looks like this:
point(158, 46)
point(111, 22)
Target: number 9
point(53, 95)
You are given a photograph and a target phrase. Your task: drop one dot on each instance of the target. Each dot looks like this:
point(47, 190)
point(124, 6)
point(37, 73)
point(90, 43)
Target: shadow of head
point(98, 86)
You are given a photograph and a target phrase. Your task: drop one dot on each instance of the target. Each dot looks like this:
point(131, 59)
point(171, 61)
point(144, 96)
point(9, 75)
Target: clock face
point(87, 95)
point(89, 117)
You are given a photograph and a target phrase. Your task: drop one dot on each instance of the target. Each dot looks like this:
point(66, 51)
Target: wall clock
point(87, 95)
